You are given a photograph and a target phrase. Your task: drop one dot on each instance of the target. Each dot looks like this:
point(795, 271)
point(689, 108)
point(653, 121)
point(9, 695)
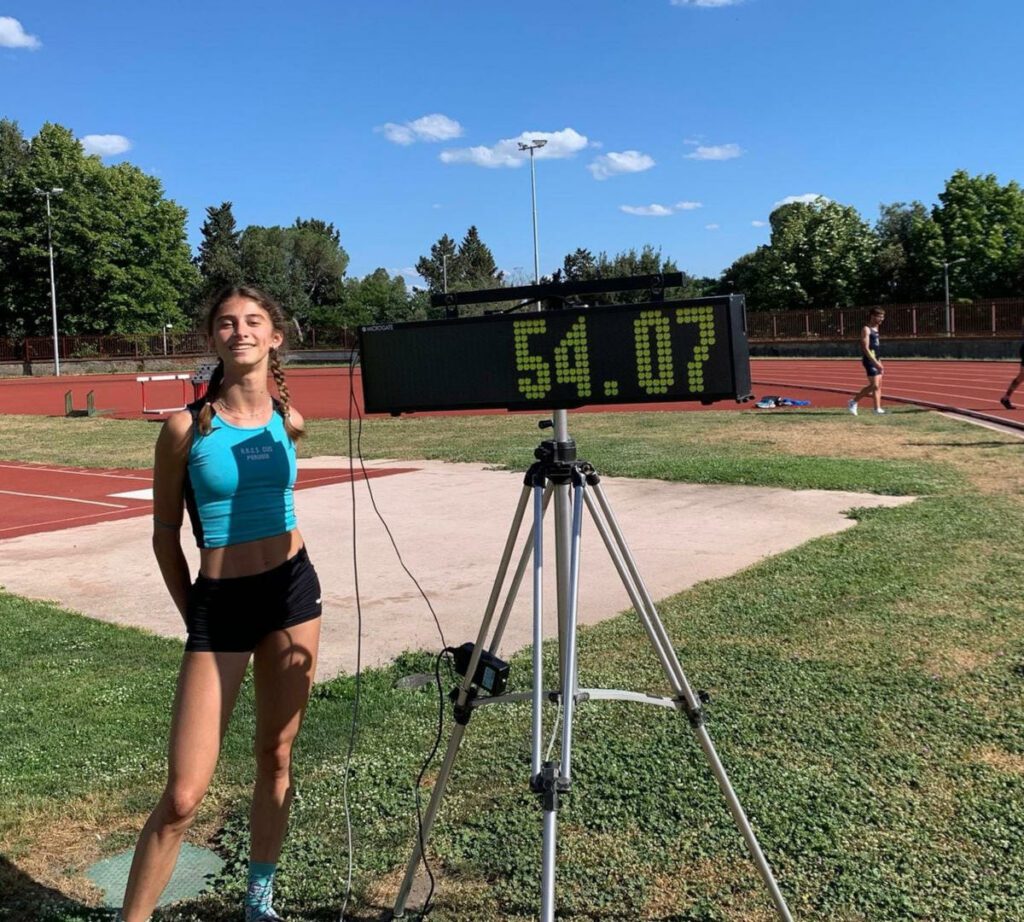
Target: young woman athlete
point(869, 347)
point(230, 459)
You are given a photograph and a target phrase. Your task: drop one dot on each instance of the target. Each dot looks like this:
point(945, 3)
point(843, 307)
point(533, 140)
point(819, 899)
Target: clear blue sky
point(299, 109)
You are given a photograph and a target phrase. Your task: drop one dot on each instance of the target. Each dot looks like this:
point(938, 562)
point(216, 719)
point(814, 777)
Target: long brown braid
point(294, 432)
point(205, 420)
point(280, 323)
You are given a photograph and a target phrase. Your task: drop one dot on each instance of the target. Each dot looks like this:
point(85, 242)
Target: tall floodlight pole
point(535, 144)
point(53, 282)
point(945, 275)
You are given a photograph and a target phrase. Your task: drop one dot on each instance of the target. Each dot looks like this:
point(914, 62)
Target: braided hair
point(280, 323)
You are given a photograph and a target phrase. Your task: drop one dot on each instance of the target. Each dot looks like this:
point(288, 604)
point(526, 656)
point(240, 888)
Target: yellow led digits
point(578, 371)
point(657, 323)
point(705, 319)
point(537, 387)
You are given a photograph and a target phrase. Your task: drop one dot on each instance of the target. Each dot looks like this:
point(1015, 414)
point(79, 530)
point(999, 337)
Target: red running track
point(972, 388)
point(46, 497)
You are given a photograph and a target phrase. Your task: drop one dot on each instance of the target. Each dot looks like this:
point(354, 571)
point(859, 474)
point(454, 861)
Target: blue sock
point(260, 894)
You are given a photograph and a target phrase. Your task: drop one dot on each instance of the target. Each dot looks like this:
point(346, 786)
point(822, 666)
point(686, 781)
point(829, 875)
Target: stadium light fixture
point(535, 144)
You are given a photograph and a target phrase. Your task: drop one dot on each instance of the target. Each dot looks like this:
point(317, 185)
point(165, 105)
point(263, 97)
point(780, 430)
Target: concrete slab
point(450, 522)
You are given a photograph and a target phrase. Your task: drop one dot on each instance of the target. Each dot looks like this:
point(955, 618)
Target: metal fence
point(997, 317)
point(148, 346)
point(994, 318)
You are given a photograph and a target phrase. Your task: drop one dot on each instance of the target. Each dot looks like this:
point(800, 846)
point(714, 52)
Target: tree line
point(823, 254)
point(124, 264)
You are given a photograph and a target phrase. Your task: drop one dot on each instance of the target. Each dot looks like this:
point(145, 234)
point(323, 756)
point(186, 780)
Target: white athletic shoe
point(879, 412)
point(851, 405)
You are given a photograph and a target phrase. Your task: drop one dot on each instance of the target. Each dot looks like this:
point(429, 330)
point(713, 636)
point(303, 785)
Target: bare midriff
point(249, 557)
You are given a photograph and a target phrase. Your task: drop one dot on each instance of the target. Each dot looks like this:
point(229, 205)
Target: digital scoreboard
point(560, 359)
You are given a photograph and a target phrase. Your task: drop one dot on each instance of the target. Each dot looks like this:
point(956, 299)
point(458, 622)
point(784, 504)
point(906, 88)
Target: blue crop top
point(239, 482)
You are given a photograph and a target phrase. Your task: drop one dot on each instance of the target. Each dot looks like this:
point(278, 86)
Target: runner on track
point(1016, 382)
point(230, 458)
point(869, 340)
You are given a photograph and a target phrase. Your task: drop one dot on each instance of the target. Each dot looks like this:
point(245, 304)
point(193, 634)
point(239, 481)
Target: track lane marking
point(63, 470)
point(65, 499)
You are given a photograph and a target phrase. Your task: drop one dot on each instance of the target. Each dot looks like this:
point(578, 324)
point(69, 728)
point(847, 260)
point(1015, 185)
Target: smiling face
point(243, 332)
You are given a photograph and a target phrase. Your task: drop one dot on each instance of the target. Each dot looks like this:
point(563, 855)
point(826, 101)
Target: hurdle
point(143, 380)
point(90, 406)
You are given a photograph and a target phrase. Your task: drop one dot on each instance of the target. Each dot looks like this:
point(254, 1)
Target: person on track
point(869, 347)
point(1006, 400)
point(230, 459)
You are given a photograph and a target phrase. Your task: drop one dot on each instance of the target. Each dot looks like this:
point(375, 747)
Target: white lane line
point(63, 470)
point(65, 499)
point(35, 526)
point(133, 494)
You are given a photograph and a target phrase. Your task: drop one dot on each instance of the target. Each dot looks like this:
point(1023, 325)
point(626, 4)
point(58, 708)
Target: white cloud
point(711, 226)
point(806, 198)
point(560, 144)
point(656, 211)
point(106, 145)
point(758, 223)
point(612, 164)
point(13, 35)
point(706, 3)
point(715, 152)
point(660, 211)
point(434, 127)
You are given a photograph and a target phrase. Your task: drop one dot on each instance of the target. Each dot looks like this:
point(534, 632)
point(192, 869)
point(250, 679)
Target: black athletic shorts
point(870, 367)
point(1022, 353)
point(234, 615)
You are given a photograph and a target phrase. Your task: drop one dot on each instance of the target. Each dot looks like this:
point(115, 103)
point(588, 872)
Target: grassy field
point(867, 699)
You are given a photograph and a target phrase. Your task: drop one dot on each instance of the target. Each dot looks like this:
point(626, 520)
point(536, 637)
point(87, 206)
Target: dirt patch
point(53, 846)
point(671, 892)
point(1010, 763)
point(949, 664)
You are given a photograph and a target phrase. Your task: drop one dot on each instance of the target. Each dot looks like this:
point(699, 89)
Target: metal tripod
point(571, 483)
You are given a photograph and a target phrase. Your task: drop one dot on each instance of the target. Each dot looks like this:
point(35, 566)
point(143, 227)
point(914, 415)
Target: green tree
point(908, 258)
point(821, 254)
point(469, 266)
point(582, 265)
point(982, 223)
point(220, 252)
point(475, 263)
point(376, 298)
point(121, 258)
point(435, 268)
point(302, 266)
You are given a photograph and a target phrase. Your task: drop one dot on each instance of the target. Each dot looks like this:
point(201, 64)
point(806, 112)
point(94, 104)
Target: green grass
point(867, 700)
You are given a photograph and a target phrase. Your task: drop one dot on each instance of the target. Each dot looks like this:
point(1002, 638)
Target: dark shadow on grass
point(25, 899)
point(963, 444)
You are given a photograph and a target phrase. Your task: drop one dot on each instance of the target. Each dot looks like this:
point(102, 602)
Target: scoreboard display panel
point(560, 359)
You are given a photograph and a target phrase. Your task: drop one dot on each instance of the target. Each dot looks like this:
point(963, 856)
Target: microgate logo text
point(379, 328)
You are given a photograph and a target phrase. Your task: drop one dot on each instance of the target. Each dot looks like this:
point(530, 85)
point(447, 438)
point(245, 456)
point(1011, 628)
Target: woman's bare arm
point(170, 461)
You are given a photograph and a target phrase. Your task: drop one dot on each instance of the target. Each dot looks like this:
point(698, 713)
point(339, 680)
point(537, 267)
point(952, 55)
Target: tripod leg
point(460, 728)
point(555, 778)
point(624, 562)
point(537, 725)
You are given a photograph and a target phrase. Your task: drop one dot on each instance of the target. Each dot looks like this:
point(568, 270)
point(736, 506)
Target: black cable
point(419, 779)
point(354, 727)
point(391, 537)
point(445, 651)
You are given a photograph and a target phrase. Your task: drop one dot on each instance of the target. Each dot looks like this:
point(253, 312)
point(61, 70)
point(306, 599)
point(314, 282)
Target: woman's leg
point(284, 664)
point(207, 689)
